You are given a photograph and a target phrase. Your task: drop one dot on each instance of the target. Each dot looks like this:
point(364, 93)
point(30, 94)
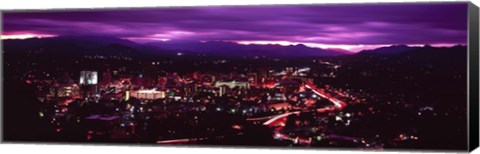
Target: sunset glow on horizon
point(353, 48)
point(347, 47)
point(24, 36)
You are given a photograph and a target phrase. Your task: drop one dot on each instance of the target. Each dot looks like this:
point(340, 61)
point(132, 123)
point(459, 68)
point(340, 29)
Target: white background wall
point(112, 149)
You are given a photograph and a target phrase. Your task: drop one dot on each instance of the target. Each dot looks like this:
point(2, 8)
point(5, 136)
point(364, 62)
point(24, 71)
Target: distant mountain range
point(85, 42)
point(234, 49)
point(394, 49)
point(101, 45)
point(397, 49)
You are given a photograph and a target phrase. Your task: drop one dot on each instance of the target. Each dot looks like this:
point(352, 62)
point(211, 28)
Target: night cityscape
point(353, 76)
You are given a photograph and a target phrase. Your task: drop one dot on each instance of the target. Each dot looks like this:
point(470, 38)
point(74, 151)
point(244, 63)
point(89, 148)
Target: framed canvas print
point(374, 76)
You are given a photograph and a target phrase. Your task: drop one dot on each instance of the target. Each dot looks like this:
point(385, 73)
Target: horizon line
point(350, 48)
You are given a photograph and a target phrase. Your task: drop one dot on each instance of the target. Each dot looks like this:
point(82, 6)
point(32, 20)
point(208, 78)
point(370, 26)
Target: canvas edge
point(1, 81)
point(473, 77)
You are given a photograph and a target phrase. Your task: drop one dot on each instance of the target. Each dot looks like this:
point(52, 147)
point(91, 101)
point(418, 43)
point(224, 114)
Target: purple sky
point(350, 27)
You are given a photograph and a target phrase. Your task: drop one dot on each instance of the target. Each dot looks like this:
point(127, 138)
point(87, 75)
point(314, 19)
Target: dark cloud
point(326, 24)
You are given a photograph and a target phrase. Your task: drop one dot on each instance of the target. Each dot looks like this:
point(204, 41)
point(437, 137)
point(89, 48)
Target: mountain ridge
point(93, 44)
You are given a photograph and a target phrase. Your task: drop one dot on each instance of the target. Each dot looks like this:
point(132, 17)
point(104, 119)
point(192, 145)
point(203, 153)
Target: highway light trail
point(283, 117)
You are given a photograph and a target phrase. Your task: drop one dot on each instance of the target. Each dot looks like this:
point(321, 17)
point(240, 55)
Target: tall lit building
point(88, 78)
point(88, 83)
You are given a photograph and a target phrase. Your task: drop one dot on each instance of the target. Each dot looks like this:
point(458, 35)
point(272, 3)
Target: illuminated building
point(65, 91)
point(88, 83)
point(232, 84)
point(127, 95)
point(222, 90)
point(148, 94)
point(65, 87)
point(277, 97)
point(88, 77)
